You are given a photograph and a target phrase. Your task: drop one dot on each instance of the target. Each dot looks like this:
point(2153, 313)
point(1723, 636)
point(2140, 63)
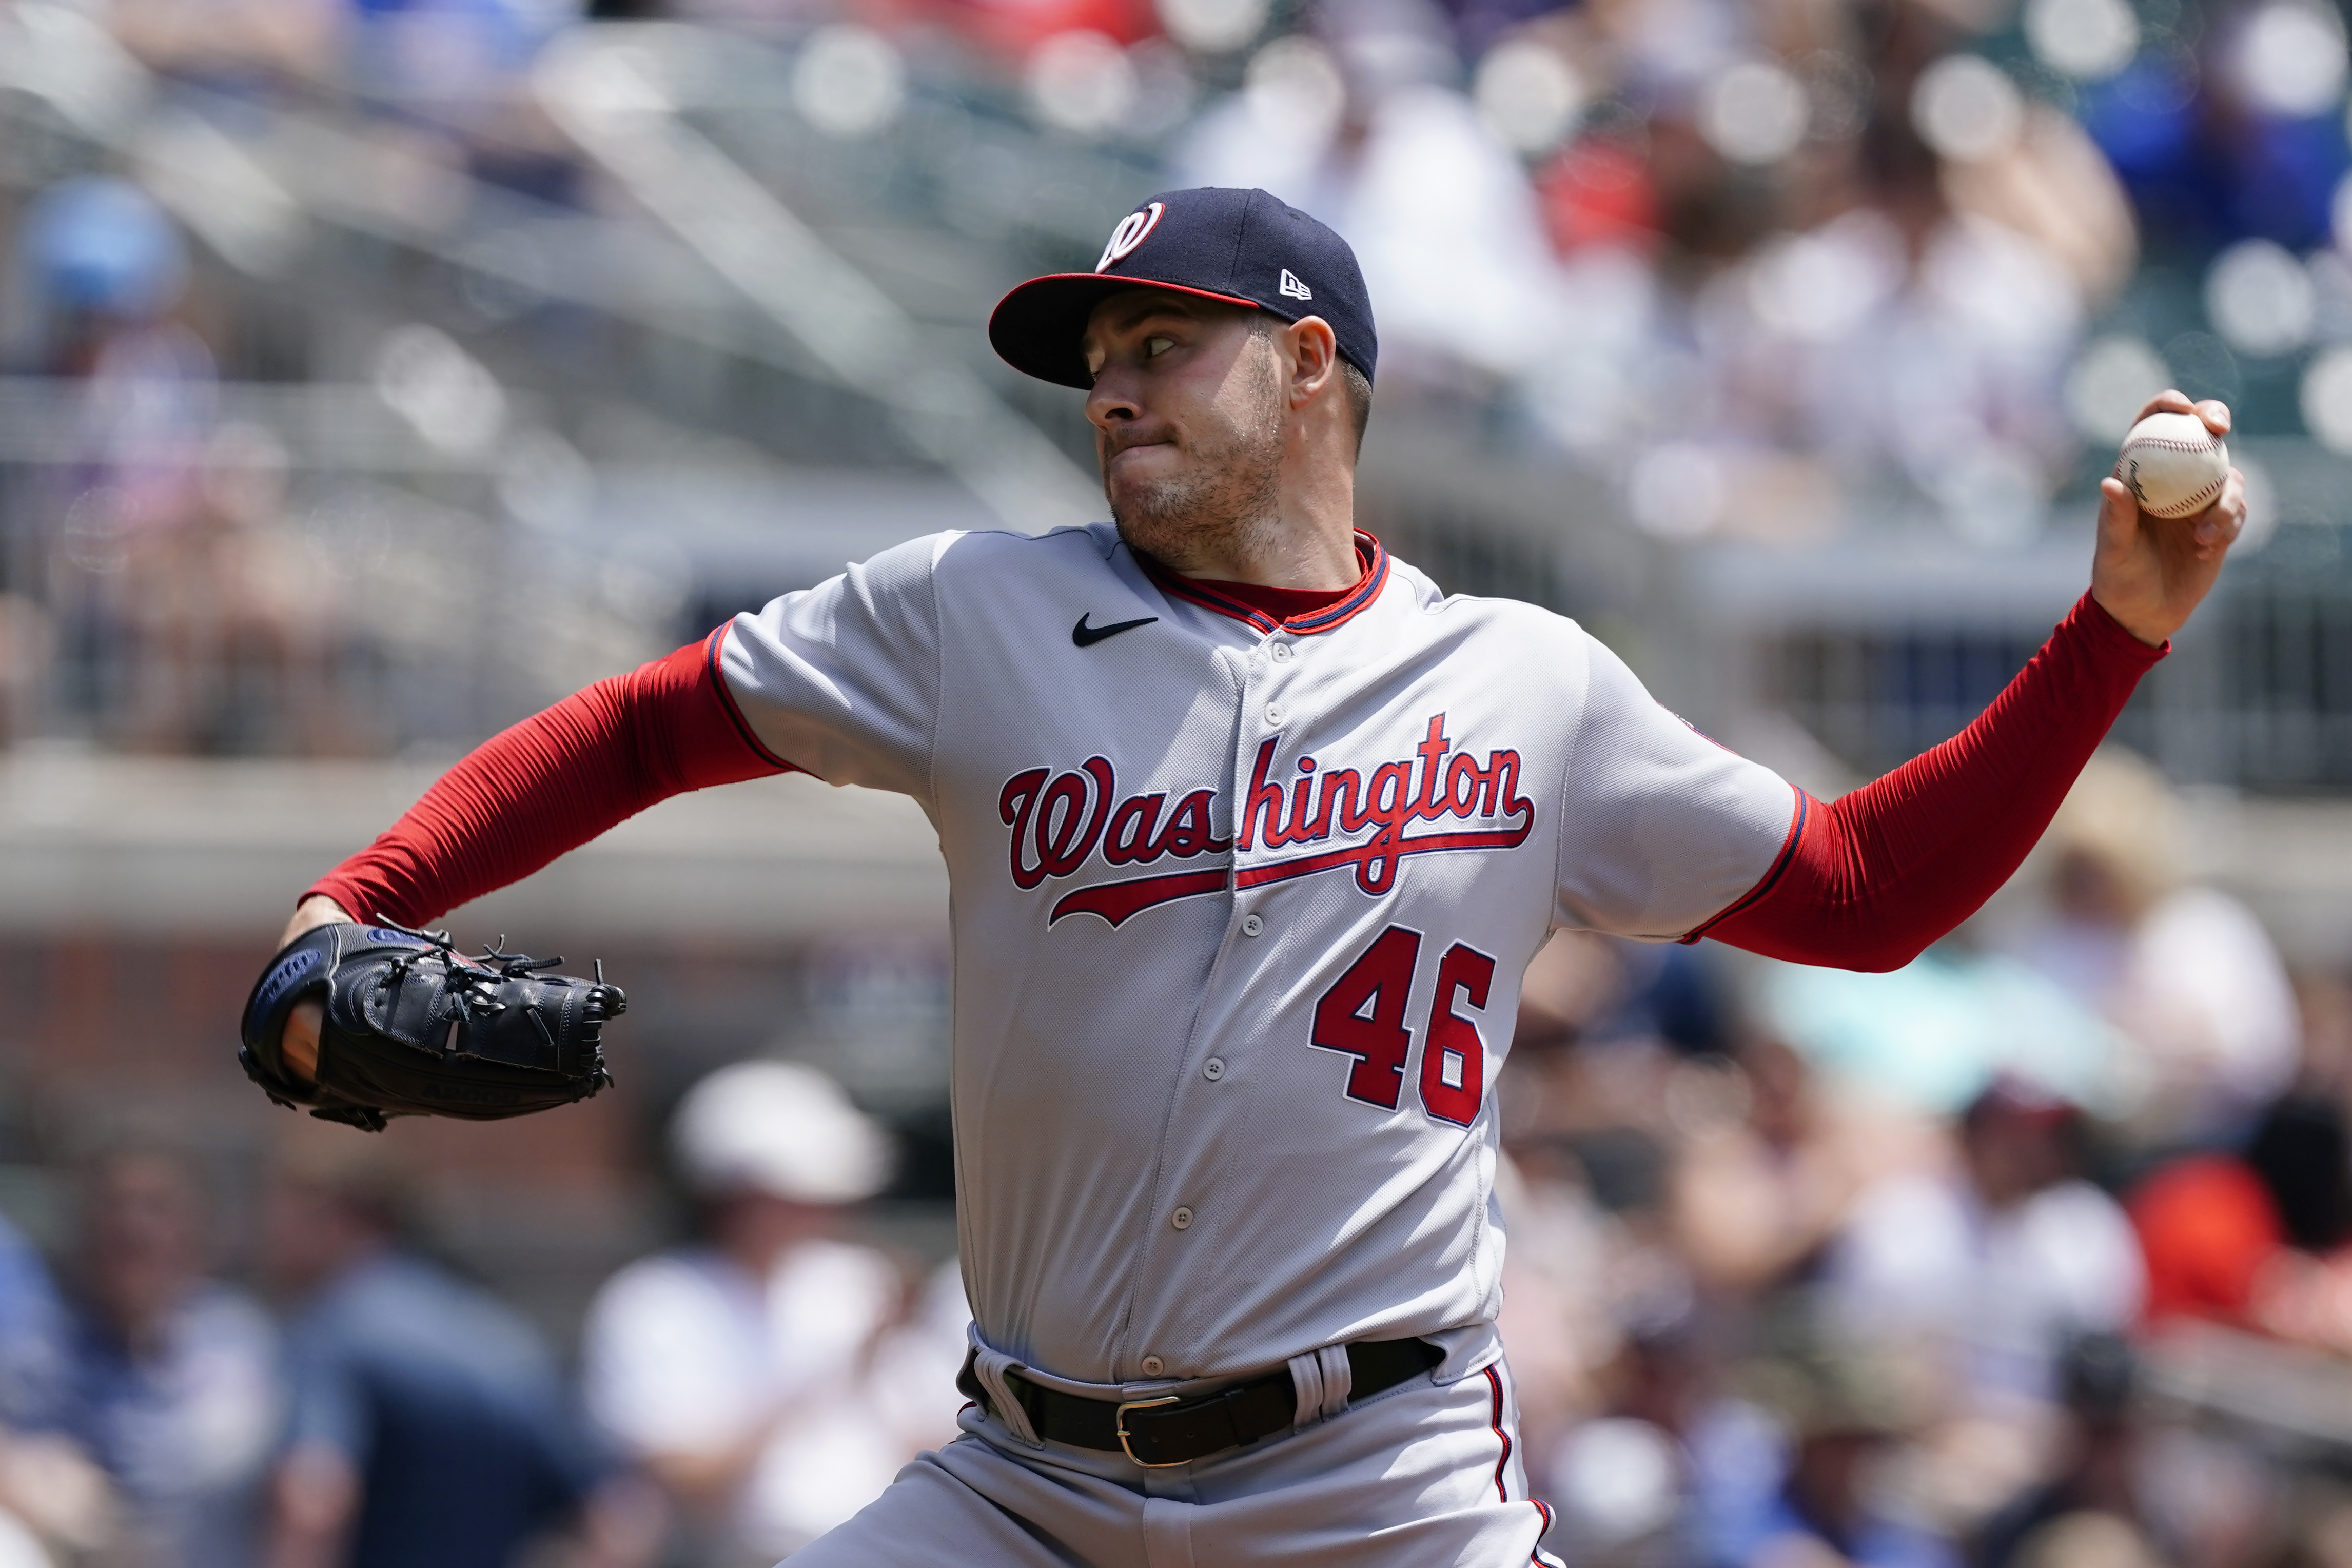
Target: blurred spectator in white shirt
point(771, 1375)
point(175, 1375)
point(2003, 1260)
point(2185, 971)
point(1358, 126)
point(1979, 1277)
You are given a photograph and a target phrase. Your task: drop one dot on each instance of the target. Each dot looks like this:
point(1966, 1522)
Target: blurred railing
point(2257, 695)
point(197, 567)
point(333, 213)
point(778, 274)
point(2283, 717)
point(2258, 698)
point(418, 549)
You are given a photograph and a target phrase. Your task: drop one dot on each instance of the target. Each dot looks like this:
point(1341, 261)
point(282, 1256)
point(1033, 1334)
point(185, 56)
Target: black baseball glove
point(416, 1029)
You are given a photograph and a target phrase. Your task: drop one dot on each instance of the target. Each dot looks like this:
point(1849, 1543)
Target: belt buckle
point(1126, 1448)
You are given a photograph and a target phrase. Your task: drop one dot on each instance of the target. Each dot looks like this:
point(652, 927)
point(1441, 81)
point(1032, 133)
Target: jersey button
point(1182, 1219)
point(1213, 1069)
point(1251, 925)
point(1273, 713)
point(1281, 653)
point(1153, 1366)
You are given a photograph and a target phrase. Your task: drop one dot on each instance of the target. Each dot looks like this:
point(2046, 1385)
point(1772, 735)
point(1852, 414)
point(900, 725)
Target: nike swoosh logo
point(1086, 636)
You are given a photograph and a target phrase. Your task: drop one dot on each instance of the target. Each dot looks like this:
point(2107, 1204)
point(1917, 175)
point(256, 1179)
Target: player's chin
point(1136, 489)
point(1151, 464)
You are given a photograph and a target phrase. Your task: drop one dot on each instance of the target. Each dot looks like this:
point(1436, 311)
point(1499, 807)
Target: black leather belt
point(1173, 1431)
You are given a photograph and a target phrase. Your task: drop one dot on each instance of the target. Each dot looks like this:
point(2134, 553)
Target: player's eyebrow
point(1143, 310)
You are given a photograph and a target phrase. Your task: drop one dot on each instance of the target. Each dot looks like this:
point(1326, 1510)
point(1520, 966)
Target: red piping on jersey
point(1543, 1511)
point(1494, 1380)
point(1183, 588)
point(1376, 576)
point(712, 644)
point(1772, 875)
point(1368, 550)
point(1874, 877)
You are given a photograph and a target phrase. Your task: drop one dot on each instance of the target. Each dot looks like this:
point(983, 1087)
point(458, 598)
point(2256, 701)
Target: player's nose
point(1111, 401)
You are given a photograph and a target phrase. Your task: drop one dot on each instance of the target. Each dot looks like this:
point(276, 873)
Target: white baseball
point(2174, 466)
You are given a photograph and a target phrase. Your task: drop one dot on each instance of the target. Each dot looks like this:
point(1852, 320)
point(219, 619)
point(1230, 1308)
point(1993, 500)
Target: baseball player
point(1251, 831)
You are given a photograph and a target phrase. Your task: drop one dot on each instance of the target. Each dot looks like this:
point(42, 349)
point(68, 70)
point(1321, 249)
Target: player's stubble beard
point(1229, 503)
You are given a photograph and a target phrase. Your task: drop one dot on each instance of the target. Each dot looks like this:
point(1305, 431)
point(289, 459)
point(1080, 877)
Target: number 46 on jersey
point(1362, 1015)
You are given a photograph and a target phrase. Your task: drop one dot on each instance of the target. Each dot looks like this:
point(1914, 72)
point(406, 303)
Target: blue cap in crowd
point(1245, 247)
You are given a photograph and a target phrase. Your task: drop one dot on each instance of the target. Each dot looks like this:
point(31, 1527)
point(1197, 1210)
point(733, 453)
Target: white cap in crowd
point(778, 1128)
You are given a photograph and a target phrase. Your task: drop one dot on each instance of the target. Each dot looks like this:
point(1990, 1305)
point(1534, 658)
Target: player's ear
point(1313, 354)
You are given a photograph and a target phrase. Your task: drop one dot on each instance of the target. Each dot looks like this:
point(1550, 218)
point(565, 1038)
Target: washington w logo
point(1129, 233)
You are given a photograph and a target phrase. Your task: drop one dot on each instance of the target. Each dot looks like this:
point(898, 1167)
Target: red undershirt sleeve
point(1869, 880)
point(551, 784)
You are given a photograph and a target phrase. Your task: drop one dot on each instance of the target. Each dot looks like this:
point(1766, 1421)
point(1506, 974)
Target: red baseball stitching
point(2195, 502)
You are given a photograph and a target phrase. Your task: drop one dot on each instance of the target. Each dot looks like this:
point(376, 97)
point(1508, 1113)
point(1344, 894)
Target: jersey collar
point(1369, 551)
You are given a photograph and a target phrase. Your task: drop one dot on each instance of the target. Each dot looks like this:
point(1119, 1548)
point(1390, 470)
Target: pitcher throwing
point(1251, 833)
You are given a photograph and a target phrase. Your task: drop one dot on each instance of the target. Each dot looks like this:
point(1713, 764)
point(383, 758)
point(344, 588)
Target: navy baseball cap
point(1245, 247)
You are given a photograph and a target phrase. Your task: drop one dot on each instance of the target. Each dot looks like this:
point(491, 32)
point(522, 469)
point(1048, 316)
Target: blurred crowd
point(2038, 1251)
point(1762, 269)
point(1960, 1264)
point(368, 1401)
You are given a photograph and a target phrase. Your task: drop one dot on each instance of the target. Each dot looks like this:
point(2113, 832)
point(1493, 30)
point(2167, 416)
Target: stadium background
point(373, 373)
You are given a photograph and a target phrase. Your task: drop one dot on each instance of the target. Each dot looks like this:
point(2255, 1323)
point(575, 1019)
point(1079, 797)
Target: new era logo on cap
point(1245, 247)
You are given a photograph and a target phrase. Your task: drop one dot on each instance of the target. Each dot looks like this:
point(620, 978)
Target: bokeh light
point(1820, 286)
point(1754, 112)
point(1966, 108)
point(849, 81)
point(2263, 512)
point(1992, 496)
point(544, 482)
point(2111, 381)
point(2326, 397)
point(1081, 81)
point(1529, 94)
point(2087, 40)
point(1213, 26)
point(1294, 86)
point(2290, 58)
point(1615, 1480)
point(2259, 299)
point(1678, 491)
point(443, 393)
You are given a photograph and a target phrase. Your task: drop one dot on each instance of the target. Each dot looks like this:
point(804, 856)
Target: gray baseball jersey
point(1241, 909)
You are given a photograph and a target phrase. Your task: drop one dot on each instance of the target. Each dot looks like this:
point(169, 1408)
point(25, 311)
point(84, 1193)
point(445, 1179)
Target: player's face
point(1188, 416)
